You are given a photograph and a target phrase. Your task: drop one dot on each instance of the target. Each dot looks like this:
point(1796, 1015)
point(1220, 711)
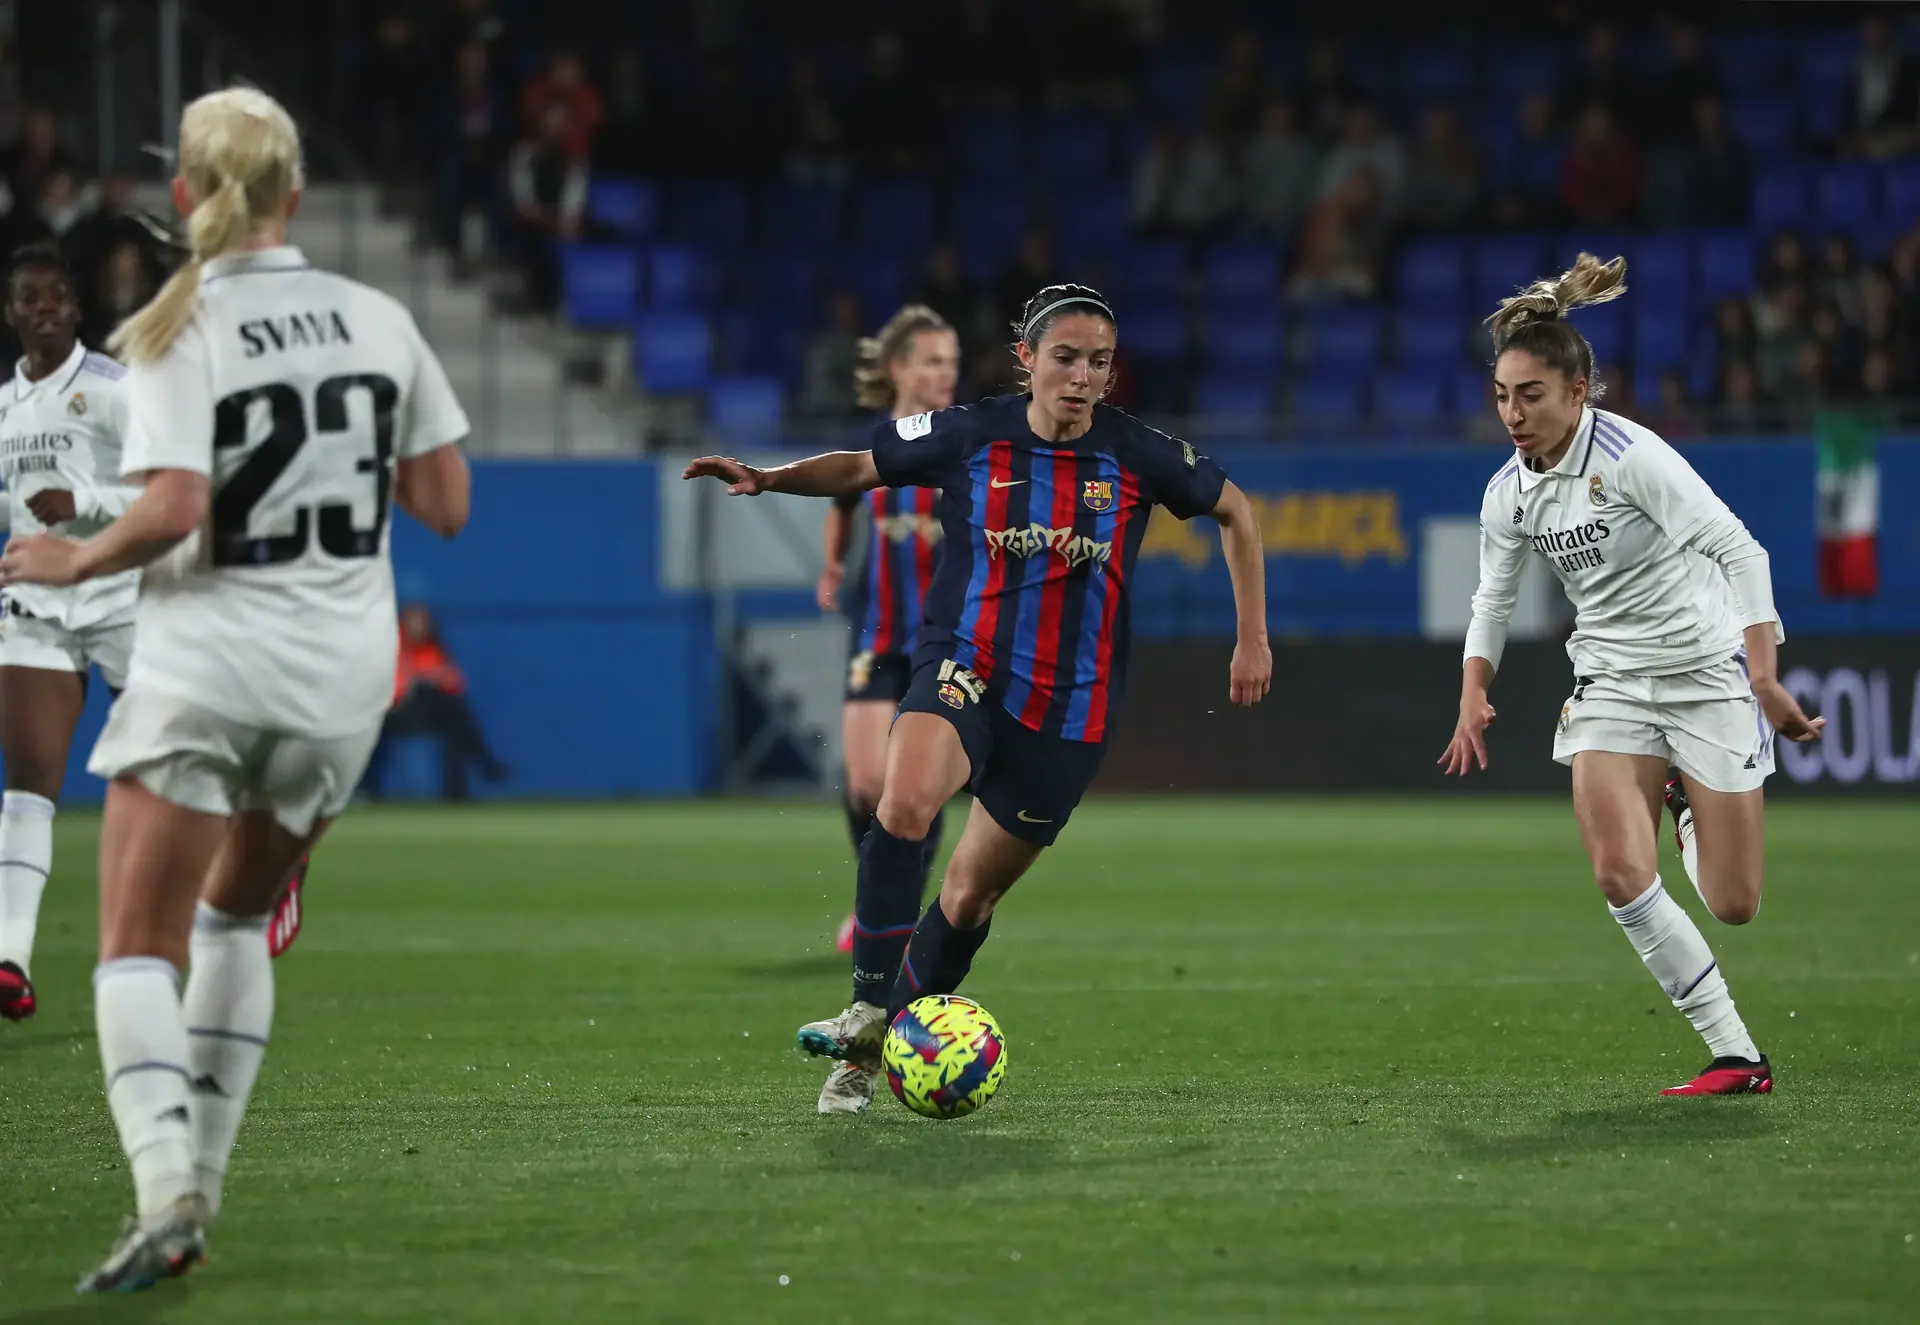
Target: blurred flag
point(1848, 506)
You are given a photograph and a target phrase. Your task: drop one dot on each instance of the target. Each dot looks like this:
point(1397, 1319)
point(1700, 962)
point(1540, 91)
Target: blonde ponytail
point(1588, 281)
point(240, 158)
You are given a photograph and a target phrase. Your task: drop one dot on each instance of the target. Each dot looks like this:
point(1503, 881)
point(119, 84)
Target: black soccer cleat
point(17, 1001)
point(1676, 805)
point(1729, 1076)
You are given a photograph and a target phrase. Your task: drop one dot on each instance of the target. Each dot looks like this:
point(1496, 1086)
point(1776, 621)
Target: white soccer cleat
point(146, 1254)
point(849, 1089)
point(853, 1037)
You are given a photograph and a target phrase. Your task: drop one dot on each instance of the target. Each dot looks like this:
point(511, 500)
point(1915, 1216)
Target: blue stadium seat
point(1780, 196)
point(987, 224)
point(1343, 338)
point(1245, 271)
point(1150, 271)
point(1327, 402)
point(1827, 60)
point(1662, 262)
point(1825, 113)
point(681, 276)
point(779, 284)
point(710, 212)
point(1502, 264)
point(1470, 392)
point(1435, 73)
point(1156, 331)
point(1095, 227)
point(1751, 62)
point(799, 217)
point(990, 145)
point(673, 352)
point(880, 282)
point(1250, 338)
point(1660, 339)
point(625, 206)
point(746, 408)
point(1073, 150)
point(1432, 273)
point(1605, 327)
point(1900, 189)
point(894, 216)
point(1523, 65)
point(599, 283)
point(1846, 196)
point(1410, 396)
point(1769, 125)
point(1723, 263)
point(1176, 81)
point(765, 347)
point(1234, 395)
point(1427, 343)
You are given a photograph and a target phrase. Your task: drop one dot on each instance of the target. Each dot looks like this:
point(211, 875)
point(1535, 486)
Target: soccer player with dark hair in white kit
point(276, 413)
point(1674, 653)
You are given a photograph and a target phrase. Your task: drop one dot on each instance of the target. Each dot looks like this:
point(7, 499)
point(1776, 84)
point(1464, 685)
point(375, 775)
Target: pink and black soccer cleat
point(284, 928)
point(17, 1002)
point(843, 941)
point(1677, 806)
point(1729, 1076)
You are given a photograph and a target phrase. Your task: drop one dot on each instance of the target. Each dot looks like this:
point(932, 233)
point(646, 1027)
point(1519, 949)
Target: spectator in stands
point(1327, 93)
point(1667, 103)
point(817, 151)
point(1034, 266)
point(1886, 92)
point(35, 159)
point(564, 86)
point(728, 134)
point(1741, 407)
point(1734, 335)
point(124, 283)
point(392, 88)
point(1841, 348)
point(1599, 77)
point(475, 21)
point(548, 183)
point(1527, 177)
point(108, 225)
point(1781, 333)
point(1096, 59)
point(1366, 146)
point(1600, 181)
point(1888, 324)
point(1341, 247)
point(945, 287)
point(1784, 259)
point(430, 699)
point(832, 353)
point(1836, 277)
point(1673, 413)
point(890, 117)
point(1184, 185)
point(1719, 171)
point(1444, 174)
point(627, 144)
point(471, 133)
point(1879, 384)
point(1238, 95)
point(1808, 384)
point(56, 210)
point(1280, 169)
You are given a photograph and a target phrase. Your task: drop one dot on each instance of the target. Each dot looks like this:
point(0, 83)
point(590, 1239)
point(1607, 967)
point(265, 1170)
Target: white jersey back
point(1615, 520)
point(296, 391)
point(64, 433)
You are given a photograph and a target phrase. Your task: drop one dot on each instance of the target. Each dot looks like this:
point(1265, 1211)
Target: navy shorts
point(1028, 782)
point(878, 677)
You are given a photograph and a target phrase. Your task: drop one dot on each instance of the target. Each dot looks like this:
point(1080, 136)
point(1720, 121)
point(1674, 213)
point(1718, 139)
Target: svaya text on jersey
point(1565, 540)
point(298, 332)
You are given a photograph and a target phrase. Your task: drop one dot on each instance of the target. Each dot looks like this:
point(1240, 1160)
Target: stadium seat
point(1410, 397)
point(1470, 392)
point(762, 347)
point(880, 282)
point(1503, 264)
point(1343, 338)
point(1327, 402)
point(1156, 331)
point(1251, 338)
point(1780, 196)
point(672, 352)
point(1229, 395)
point(709, 212)
point(1752, 62)
point(987, 224)
point(599, 283)
point(1662, 262)
point(990, 146)
point(777, 284)
point(1900, 189)
point(746, 408)
point(1244, 272)
point(1518, 66)
point(1768, 125)
point(894, 217)
point(1605, 327)
point(1435, 73)
point(1432, 274)
point(1072, 150)
point(1095, 228)
point(681, 276)
point(625, 206)
point(1827, 60)
point(1723, 263)
point(1846, 196)
point(1176, 82)
point(1426, 343)
point(1150, 271)
point(799, 217)
point(1659, 340)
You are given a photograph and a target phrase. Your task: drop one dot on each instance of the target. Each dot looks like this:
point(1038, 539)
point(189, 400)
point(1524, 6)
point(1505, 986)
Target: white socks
point(26, 854)
point(143, 1047)
point(228, 1011)
point(1670, 944)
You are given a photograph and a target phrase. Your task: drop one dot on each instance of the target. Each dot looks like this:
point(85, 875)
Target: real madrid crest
point(1097, 493)
point(1596, 491)
point(78, 405)
point(1566, 715)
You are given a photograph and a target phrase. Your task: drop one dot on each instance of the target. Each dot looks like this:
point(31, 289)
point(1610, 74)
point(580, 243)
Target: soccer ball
point(945, 1056)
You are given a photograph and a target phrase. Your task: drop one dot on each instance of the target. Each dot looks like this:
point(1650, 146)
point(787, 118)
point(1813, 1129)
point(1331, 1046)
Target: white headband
point(1027, 334)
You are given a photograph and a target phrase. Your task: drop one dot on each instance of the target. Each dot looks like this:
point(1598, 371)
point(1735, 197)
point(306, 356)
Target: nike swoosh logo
point(1026, 818)
point(1009, 483)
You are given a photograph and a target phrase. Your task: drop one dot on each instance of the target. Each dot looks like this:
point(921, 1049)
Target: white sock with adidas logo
point(1675, 952)
point(229, 1012)
point(143, 1048)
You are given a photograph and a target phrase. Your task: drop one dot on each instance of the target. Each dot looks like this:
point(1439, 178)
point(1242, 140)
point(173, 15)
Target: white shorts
point(202, 761)
point(1705, 722)
point(49, 646)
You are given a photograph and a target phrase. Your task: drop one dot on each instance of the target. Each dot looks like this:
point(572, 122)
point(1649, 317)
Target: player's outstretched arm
point(831, 475)
point(171, 506)
point(1251, 673)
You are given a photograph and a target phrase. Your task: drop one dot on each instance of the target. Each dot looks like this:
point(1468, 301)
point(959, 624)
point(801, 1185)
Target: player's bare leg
point(1617, 800)
point(38, 710)
point(1723, 843)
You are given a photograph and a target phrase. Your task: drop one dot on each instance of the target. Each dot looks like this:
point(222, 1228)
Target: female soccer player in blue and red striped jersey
point(1022, 659)
point(909, 368)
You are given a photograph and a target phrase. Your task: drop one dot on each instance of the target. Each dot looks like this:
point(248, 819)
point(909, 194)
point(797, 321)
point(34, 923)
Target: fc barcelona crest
point(952, 695)
point(1097, 493)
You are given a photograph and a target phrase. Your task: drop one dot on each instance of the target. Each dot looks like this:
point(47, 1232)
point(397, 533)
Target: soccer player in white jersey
point(1674, 653)
point(62, 420)
point(276, 411)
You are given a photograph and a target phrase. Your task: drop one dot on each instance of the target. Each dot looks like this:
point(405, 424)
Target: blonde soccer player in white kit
point(63, 418)
point(1674, 653)
point(276, 412)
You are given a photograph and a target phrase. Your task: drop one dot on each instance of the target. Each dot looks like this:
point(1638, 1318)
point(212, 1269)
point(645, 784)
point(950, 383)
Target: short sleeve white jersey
point(1638, 539)
point(64, 433)
point(296, 391)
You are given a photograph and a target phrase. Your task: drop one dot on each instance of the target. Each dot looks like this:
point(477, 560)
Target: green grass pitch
point(1270, 1060)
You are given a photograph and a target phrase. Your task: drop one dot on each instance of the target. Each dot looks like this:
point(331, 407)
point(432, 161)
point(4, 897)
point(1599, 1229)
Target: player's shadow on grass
point(167, 1302)
point(950, 1155)
point(810, 967)
point(1648, 1124)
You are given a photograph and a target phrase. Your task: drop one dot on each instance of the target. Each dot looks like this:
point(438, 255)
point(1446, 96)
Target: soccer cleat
point(17, 1002)
point(843, 941)
point(287, 915)
point(1677, 805)
point(849, 1089)
point(852, 1037)
point(1729, 1076)
point(145, 1255)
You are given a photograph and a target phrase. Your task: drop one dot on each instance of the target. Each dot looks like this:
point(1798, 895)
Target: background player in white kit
point(62, 421)
point(1673, 653)
point(269, 403)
